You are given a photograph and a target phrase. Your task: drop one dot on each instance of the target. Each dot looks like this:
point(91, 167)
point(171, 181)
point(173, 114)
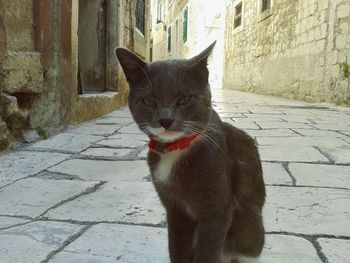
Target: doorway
point(92, 46)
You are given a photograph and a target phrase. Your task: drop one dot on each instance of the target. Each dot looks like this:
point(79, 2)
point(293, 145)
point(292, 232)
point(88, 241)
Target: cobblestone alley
point(84, 195)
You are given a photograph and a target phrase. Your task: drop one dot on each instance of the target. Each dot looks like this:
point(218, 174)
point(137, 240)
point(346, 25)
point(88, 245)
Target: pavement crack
point(325, 154)
point(319, 251)
point(293, 130)
point(286, 167)
point(86, 192)
point(66, 243)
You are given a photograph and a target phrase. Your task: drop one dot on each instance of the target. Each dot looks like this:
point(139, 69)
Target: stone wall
point(39, 90)
point(132, 39)
point(21, 71)
point(297, 49)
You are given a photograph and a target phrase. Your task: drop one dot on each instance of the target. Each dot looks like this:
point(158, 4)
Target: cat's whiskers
point(205, 137)
point(144, 127)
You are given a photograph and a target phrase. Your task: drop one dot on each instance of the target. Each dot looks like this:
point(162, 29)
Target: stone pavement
point(85, 196)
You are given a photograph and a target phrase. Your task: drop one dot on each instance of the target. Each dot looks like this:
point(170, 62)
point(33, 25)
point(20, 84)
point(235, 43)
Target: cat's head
point(168, 99)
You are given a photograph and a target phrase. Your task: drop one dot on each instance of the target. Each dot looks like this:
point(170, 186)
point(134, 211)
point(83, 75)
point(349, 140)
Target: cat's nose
point(166, 123)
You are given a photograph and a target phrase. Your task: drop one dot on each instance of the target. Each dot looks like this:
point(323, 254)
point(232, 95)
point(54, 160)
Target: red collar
point(172, 146)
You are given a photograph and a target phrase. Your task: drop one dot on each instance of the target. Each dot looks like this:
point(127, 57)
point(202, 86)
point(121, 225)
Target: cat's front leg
point(211, 236)
point(181, 232)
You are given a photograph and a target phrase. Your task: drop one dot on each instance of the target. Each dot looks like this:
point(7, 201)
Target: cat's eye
point(183, 100)
point(149, 102)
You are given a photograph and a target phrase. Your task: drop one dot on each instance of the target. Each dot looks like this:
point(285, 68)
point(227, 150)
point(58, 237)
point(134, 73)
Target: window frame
point(140, 23)
point(264, 14)
point(268, 5)
point(185, 24)
point(238, 17)
point(169, 39)
point(159, 10)
point(241, 26)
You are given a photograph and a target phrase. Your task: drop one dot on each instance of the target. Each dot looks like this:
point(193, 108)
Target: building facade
point(296, 49)
point(183, 28)
point(57, 62)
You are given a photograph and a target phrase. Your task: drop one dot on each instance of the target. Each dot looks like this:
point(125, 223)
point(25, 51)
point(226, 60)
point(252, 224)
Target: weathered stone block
point(3, 134)
point(67, 142)
point(103, 170)
point(336, 250)
point(19, 21)
point(32, 197)
point(16, 165)
point(31, 243)
point(123, 202)
point(107, 243)
point(8, 104)
point(340, 42)
point(343, 11)
point(22, 72)
point(307, 210)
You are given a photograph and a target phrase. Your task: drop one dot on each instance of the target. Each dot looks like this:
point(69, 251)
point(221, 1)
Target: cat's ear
point(202, 58)
point(198, 64)
point(133, 66)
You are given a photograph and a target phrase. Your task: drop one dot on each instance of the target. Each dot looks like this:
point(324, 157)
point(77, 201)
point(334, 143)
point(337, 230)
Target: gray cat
point(207, 173)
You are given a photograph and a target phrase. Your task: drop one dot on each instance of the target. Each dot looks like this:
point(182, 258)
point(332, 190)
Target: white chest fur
point(166, 163)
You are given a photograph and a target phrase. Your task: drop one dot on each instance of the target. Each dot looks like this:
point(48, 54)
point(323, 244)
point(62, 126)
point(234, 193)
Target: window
point(265, 5)
point(238, 15)
point(140, 15)
point(185, 25)
point(169, 39)
point(159, 11)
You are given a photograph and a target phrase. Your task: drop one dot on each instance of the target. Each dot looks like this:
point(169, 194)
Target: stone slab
point(332, 126)
point(120, 113)
point(300, 118)
point(282, 125)
point(131, 129)
point(19, 164)
point(106, 152)
point(229, 115)
point(95, 128)
point(103, 170)
point(6, 221)
point(336, 250)
point(264, 110)
point(288, 249)
point(71, 143)
point(303, 141)
point(117, 243)
point(262, 118)
point(274, 173)
point(306, 210)
point(320, 133)
point(323, 175)
point(76, 257)
point(245, 125)
point(32, 196)
point(108, 120)
point(125, 141)
point(272, 133)
point(340, 155)
point(122, 202)
point(291, 153)
point(143, 154)
point(31, 243)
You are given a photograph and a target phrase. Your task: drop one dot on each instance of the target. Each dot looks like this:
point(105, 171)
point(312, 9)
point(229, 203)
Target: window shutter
point(185, 25)
point(169, 39)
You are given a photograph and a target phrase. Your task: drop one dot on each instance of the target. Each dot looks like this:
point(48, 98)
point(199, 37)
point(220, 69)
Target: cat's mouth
point(166, 136)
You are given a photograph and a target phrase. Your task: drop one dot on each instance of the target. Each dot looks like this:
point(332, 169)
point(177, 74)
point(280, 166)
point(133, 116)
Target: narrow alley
point(84, 195)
